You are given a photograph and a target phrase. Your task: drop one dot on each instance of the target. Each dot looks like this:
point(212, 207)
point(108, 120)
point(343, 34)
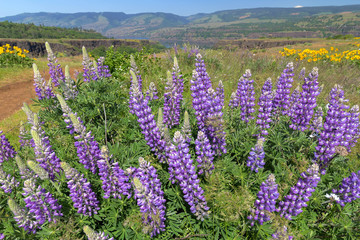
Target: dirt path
point(13, 95)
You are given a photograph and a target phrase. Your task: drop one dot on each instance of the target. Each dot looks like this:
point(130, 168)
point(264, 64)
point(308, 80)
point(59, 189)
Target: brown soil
point(13, 95)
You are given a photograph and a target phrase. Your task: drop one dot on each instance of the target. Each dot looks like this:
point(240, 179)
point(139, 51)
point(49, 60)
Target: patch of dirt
point(13, 95)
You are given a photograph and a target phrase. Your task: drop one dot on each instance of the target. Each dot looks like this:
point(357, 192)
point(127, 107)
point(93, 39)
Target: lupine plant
point(182, 188)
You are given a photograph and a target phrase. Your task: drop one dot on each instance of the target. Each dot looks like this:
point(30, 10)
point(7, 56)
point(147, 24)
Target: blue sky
point(179, 7)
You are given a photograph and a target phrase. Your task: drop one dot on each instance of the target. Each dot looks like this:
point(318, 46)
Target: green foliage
point(31, 31)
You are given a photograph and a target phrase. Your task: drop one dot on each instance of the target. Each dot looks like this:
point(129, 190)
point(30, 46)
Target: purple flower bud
point(92, 235)
point(6, 150)
point(205, 154)
point(282, 234)
point(151, 93)
point(349, 189)
point(7, 182)
point(256, 156)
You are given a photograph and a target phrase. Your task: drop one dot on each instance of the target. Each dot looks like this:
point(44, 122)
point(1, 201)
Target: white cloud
point(298, 6)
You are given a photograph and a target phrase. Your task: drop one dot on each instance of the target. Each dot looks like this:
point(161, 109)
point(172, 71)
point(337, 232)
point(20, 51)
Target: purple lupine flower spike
point(40, 202)
point(179, 89)
point(200, 84)
point(88, 149)
point(114, 180)
point(205, 155)
point(265, 203)
point(247, 97)
point(6, 150)
point(317, 121)
point(300, 193)
point(293, 101)
point(42, 89)
point(45, 155)
point(102, 70)
point(89, 70)
point(171, 110)
point(92, 235)
point(256, 156)
point(215, 123)
point(7, 182)
point(151, 93)
point(352, 131)
point(265, 108)
point(147, 121)
point(303, 109)
point(349, 189)
point(234, 101)
point(182, 171)
point(149, 196)
point(56, 73)
point(334, 129)
point(284, 84)
point(81, 194)
point(24, 218)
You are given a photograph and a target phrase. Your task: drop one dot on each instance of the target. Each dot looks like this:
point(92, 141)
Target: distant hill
point(208, 28)
point(31, 31)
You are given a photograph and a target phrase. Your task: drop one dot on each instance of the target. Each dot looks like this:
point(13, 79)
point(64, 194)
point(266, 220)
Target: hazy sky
point(179, 7)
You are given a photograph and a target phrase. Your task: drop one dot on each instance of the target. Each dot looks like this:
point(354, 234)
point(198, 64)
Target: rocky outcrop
point(73, 47)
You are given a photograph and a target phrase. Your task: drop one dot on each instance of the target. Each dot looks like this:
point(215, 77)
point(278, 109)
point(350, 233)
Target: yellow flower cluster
point(322, 54)
point(7, 49)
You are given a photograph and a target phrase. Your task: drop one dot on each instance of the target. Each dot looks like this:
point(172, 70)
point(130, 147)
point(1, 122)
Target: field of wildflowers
point(14, 56)
point(331, 55)
point(149, 147)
